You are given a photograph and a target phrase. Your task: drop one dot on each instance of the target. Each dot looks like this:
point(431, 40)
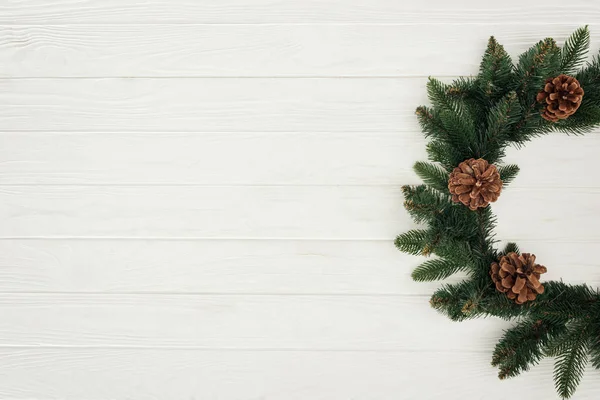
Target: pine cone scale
point(518, 276)
point(562, 96)
point(475, 183)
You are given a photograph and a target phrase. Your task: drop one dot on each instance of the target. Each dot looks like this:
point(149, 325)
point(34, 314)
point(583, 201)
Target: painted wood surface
point(258, 50)
point(48, 12)
point(266, 212)
point(167, 373)
point(279, 266)
point(198, 199)
point(261, 158)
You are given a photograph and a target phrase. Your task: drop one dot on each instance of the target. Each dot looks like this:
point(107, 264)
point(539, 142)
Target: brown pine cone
point(475, 183)
point(518, 276)
point(562, 96)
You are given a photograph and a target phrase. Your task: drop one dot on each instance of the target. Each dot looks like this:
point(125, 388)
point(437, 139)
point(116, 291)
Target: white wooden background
point(198, 198)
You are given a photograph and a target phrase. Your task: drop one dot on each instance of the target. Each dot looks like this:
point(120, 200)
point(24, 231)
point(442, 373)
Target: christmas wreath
point(469, 126)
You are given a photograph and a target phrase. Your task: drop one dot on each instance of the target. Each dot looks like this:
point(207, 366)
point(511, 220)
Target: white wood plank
point(222, 211)
point(210, 158)
point(123, 374)
point(187, 158)
point(260, 50)
point(243, 267)
point(351, 212)
point(237, 322)
point(293, 11)
point(211, 105)
point(183, 266)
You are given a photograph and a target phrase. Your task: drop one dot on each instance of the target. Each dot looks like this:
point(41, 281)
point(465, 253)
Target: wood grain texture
point(239, 158)
point(211, 105)
point(259, 50)
point(223, 211)
point(292, 11)
point(309, 322)
point(351, 212)
point(242, 266)
point(198, 199)
point(123, 374)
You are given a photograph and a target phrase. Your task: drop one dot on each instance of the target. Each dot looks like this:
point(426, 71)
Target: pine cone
point(475, 183)
point(518, 276)
point(562, 96)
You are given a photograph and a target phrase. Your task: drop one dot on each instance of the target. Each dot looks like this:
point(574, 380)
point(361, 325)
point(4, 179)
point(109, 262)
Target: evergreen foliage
point(479, 117)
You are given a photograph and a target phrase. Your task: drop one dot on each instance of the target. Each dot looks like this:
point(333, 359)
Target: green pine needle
point(571, 361)
point(511, 248)
point(575, 50)
point(432, 175)
point(495, 70)
point(522, 346)
point(437, 269)
point(479, 117)
point(413, 242)
point(508, 173)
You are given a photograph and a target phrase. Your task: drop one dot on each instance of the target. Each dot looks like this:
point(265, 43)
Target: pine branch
point(458, 302)
point(585, 120)
point(437, 269)
point(495, 70)
point(535, 65)
point(423, 203)
point(441, 97)
point(500, 119)
point(414, 242)
point(522, 346)
point(571, 359)
point(432, 175)
point(574, 51)
point(478, 118)
point(511, 248)
point(448, 131)
point(508, 173)
point(595, 342)
point(442, 153)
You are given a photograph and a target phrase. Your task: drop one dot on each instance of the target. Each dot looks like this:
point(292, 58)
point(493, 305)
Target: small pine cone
point(518, 276)
point(562, 96)
point(475, 183)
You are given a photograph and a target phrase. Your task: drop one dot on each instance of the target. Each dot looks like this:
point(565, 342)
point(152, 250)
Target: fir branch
point(432, 175)
point(508, 173)
point(535, 65)
point(523, 346)
point(480, 117)
point(571, 358)
point(423, 203)
point(416, 242)
point(585, 120)
point(589, 79)
point(511, 248)
point(458, 302)
point(496, 69)
point(437, 269)
point(449, 132)
point(574, 51)
point(442, 97)
point(440, 152)
point(500, 119)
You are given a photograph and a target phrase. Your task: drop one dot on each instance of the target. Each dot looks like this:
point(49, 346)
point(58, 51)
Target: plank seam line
point(206, 294)
point(234, 349)
point(289, 239)
point(501, 21)
point(269, 185)
point(268, 77)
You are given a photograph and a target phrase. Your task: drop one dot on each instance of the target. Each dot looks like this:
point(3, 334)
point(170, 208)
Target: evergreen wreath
point(470, 125)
